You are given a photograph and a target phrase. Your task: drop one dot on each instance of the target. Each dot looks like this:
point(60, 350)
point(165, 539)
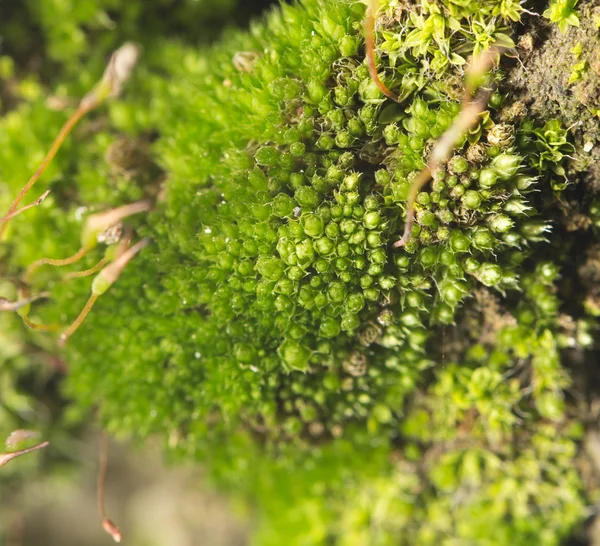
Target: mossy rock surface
point(358, 393)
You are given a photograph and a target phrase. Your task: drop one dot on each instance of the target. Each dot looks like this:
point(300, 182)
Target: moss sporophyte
point(360, 281)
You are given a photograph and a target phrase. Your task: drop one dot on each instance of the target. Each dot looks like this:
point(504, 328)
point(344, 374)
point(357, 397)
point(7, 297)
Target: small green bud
point(325, 142)
point(295, 273)
point(471, 199)
point(358, 237)
point(471, 265)
point(427, 257)
point(313, 225)
point(366, 281)
point(337, 292)
point(294, 355)
point(329, 328)
point(348, 45)
point(445, 216)
point(452, 291)
point(352, 181)
point(378, 256)
point(534, 229)
point(282, 205)
point(307, 197)
point(500, 223)
point(371, 219)
point(423, 198)
point(391, 133)
point(305, 251)
point(457, 191)
point(458, 165)
point(458, 241)
point(371, 202)
point(442, 233)
point(506, 165)
point(386, 282)
point(487, 178)
point(372, 294)
point(489, 274)
point(343, 139)
point(283, 303)
point(267, 156)
point(350, 322)
point(100, 284)
point(257, 179)
point(343, 249)
point(297, 149)
point(483, 239)
point(415, 299)
point(332, 230)
point(270, 268)
point(382, 177)
point(443, 313)
point(354, 303)
point(284, 286)
point(374, 239)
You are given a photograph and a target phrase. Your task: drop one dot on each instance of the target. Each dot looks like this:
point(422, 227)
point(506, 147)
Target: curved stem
point(87, 272)
point(40, 327)
point(64, 132)
point(37, 202)
point(421, 180)
point(107, 524)
point(55, 262)
point(370, 50)
point(5, 458)
point(443, 148)
point(78, 321)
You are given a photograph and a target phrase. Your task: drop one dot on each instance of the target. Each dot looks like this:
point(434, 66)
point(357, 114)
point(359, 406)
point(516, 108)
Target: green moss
point(272, 331)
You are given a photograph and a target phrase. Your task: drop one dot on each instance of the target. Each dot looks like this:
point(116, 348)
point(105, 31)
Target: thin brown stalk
point(40, 327)
point(466, 120)
point(55, 262)
point(7, 305)
point(107, 524)
point(87, 272)
point(5, 458)
point(58, 141)
point(79, 320)
point(36, 203)
point(370, 50)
